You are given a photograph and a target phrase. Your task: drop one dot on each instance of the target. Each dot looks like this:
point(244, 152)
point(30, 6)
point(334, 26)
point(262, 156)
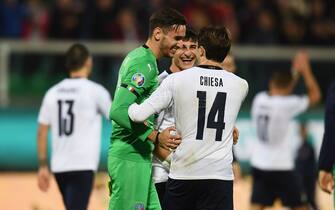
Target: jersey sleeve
point(140, 77)
point(159, 100)
point(44, 113)
point(104, 101)
point(245, 88)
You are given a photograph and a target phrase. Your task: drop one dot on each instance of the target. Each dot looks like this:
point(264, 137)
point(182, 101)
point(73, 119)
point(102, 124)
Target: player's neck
point(82, 73)
point(210, 63)
point(278, 92)
point(174, 68)
point(154, 48)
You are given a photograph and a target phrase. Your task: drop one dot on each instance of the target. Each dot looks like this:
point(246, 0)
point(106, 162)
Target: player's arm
point(302, 65)
point(137, 81)
point(159, 100)
point(119, 113)
point(43, 175)
point(130, 89)
point(42, 142)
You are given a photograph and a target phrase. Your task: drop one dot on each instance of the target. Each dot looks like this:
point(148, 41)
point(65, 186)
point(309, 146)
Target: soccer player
point(206, 100)
point(185, 57)
point(130, 151)
point(272, 114)
point(327, 154)
point(72, 109)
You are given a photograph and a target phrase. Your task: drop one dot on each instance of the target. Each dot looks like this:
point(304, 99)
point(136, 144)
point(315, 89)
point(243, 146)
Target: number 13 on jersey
point(217, 109)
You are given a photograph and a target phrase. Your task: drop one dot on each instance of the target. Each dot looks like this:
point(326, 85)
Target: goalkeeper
point(130, 151)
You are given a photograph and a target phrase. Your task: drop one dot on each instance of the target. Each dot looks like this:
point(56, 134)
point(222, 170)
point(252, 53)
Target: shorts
point(206, 194)
point(161, 188)
point(75, 187)
point(131, 186)
point(269, 185)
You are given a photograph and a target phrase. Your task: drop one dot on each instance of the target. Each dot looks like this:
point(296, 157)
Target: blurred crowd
point(261, 22)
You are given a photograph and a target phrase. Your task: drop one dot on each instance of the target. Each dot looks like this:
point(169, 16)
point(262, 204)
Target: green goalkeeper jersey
point(137, 80)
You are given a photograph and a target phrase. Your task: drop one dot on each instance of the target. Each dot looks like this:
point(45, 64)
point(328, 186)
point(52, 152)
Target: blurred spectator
point(247, 15)
point(12, 14)
point(102, 19)
point(223, 13)
point(306, 167)
point(293, 31)
point(36, 24)
point(125, 26)
point(263, 32)
point(321, 28)
point(298, 22)
point(196, 14)
point(66, 20)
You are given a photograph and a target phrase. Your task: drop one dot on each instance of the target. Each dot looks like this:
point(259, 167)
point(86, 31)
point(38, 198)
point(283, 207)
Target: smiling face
point(186, 55)
point(170, 39)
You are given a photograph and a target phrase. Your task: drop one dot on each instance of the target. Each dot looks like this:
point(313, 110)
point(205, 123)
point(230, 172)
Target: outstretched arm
point(43, 175)
point(301, 64)
point(159, 100)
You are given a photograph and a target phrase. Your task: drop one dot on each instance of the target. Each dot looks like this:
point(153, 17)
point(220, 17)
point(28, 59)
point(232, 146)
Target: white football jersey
point(73, 109)
point(206, 103)
point(165, 119)
point(272, 117)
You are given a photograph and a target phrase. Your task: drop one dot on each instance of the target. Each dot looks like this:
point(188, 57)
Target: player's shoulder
point(140, 55)
point(233, 76)
point(163, 76)
point(94, 86)
point(236, 79)
point(262, 96)
point(295, 99)
point(55, 87)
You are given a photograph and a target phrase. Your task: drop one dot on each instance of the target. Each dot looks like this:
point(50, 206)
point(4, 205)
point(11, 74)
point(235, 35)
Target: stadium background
point(34, 34)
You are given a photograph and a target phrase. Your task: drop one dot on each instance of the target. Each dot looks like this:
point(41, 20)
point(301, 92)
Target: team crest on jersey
point(139, 206)
point(138, 79)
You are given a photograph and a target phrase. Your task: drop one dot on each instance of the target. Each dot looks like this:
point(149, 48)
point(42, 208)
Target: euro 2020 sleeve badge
point(138, 79)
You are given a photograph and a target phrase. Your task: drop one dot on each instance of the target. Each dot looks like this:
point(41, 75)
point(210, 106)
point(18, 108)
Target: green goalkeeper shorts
point(131, 186)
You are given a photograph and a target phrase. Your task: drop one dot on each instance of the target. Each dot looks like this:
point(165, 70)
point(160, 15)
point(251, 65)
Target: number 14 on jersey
point(217, 109)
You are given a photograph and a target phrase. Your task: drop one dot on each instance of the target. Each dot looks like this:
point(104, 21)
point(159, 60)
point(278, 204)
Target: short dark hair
point(281, 78)
point(76, 56)
point(191, 34)
point(165, 19)
point(216, 41)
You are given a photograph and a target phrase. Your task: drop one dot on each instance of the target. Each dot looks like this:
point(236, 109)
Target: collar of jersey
point(210, 67)
point(168, 71)
point(147, 47)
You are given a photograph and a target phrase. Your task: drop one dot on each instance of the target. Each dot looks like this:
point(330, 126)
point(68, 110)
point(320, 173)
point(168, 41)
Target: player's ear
point(157, 34)
point(202, 51)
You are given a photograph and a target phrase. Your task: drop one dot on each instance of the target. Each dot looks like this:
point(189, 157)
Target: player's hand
point(236, 134)
point(43, 178)
point(301, 62)
point(326, 181)
point(169, 138)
